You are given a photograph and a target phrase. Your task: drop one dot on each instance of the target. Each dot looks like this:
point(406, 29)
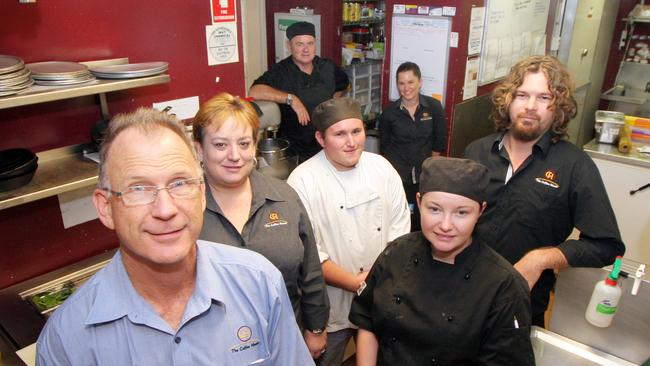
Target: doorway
point(253, 15)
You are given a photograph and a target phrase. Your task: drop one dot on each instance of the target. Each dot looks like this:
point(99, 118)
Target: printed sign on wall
point(223, 11)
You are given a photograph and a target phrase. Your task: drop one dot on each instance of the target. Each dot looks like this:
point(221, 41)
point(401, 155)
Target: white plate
point(63, 82)
point(131, 68)
point(128, 75)
point(15, 74)
point(15, 81)
point(56, 69)
point(10, 64)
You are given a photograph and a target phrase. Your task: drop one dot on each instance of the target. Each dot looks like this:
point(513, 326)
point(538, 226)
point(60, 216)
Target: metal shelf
point(40, 94)
point(59, 170)
point(64, 169)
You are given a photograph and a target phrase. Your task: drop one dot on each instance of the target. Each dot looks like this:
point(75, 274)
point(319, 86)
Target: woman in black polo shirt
point(412, 129)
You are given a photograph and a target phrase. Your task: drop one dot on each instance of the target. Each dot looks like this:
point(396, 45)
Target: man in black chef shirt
point(542, 186)
point(299, 83)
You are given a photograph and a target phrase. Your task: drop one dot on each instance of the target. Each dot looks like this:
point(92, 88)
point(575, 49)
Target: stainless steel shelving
point(64, 169)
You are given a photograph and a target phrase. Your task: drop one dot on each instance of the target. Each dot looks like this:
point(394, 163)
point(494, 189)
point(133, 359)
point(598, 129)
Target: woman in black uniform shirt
point(433, 297)
point(411, 129)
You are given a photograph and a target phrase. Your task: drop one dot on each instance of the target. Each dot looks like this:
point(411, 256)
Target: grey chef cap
point(458, 176)
point(335, 110)
point(300, 29)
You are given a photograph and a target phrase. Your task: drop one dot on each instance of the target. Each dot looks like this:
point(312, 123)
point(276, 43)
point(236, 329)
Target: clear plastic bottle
point(357, 12)
point(604, 300)
point(346, 12)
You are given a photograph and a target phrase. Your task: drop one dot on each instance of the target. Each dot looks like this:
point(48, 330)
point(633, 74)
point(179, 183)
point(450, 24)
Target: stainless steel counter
point(552, 349)
point(610, 152)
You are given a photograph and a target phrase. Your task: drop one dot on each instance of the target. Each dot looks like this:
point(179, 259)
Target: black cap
point(458, 176)
point(300, 29)
point(334, 110)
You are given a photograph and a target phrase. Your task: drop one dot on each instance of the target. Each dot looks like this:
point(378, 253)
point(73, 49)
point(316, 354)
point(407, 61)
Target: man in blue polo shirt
point(166, 298)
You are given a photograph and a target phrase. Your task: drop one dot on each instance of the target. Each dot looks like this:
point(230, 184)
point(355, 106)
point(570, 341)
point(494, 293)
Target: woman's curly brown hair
point(559, 83)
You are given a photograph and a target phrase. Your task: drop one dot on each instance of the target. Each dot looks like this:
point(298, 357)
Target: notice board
point(514, 29)
point(425, 41)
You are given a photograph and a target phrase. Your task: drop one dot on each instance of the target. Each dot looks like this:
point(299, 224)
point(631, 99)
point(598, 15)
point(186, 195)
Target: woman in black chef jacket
point(433, 297)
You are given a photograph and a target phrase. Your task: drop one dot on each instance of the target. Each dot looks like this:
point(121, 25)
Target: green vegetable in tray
point(51, 299)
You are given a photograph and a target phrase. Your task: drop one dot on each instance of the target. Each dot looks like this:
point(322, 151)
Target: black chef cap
point(300, 29)
point(335, 110)
point(458, 176)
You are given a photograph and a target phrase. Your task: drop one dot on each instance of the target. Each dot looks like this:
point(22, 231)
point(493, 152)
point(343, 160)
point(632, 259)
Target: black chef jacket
point(556, 189)
point(407, 142)
point(325, 79)
point(426, 312)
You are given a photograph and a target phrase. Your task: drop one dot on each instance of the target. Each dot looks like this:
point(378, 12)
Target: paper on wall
point(221, 43)
point(471, 78)
point(476, 25)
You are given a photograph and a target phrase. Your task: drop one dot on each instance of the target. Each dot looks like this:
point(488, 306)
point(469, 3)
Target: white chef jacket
point(354, 214)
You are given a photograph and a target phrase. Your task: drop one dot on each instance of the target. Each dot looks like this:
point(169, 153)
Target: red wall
point(33, 239)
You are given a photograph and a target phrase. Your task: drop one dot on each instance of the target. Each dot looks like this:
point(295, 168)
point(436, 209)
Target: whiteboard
point(514, 29)
point(425, 41)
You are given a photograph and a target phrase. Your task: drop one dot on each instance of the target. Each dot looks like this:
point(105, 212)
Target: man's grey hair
point(147, 121)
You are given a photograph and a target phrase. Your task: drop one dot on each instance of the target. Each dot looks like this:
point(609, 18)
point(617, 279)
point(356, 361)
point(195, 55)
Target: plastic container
point(604, 300)
point(639, 129)
point(361, 35)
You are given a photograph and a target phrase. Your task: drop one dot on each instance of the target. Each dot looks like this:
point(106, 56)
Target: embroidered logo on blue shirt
point(245, 335)
point(275, 220)
point(548, 179)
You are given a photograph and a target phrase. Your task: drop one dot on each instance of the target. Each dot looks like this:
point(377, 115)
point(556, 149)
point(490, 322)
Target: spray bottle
point(604, 299)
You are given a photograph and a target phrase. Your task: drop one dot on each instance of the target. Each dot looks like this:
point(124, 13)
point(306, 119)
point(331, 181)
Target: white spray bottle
point(604, 300)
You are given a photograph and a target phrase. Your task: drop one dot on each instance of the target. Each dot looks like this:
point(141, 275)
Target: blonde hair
point(559, 84)
point(218, 109)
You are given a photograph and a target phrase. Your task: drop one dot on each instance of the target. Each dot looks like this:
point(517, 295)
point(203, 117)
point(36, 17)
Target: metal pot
point(272, 150)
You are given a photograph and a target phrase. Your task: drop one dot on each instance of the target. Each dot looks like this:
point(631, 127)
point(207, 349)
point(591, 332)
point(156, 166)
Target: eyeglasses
point(139, 195)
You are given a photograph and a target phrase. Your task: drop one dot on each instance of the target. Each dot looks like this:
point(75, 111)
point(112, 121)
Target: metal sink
point(552, 349)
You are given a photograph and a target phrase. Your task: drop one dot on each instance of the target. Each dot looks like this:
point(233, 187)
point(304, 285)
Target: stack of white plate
point(127, 71)
point(53, 73)
point(14, 77)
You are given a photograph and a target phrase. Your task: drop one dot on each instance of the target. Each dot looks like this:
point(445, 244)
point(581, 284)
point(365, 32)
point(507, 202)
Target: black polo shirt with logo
point(557, 188)
point(406, 142)
point(278, 228)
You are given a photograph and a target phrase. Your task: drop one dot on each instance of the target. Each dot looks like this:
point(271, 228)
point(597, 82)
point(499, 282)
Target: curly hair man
point(542, 186)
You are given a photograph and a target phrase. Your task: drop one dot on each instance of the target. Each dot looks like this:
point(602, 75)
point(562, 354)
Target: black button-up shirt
point(312, 89)
point(406, 142)
point(278, 228)
point(423, 311)
point(557, 188)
